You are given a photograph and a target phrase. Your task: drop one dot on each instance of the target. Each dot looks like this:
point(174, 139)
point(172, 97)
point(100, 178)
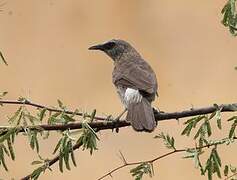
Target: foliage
point(140, 170)
point(229, 16)
point(168, 141)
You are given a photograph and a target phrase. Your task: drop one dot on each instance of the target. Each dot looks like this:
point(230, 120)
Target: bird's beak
point(97, 47)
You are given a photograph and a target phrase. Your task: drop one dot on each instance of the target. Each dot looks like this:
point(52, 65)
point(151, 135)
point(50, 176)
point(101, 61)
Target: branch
point(229, 177)
point(105, 124)
point(152, 160)
point(28, 103)
point(111, 124)
point(54, 160)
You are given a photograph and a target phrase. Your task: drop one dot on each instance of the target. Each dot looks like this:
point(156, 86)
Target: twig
point(230, 176)
point(54, 160)
point(28, 103)
point(152, 160)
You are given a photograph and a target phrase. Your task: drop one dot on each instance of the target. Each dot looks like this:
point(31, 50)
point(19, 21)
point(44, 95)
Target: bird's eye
point(109, 45)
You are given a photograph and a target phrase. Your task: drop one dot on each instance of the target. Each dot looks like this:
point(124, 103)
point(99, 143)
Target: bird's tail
point(141, 116)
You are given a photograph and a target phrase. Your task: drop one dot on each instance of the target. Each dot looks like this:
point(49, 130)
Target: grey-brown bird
point(135, 82)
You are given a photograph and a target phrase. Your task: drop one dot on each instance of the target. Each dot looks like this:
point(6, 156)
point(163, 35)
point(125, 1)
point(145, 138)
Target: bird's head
point(114, 48)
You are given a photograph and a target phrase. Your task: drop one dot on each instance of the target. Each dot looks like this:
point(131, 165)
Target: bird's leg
point(116, 120)
point(120, 115)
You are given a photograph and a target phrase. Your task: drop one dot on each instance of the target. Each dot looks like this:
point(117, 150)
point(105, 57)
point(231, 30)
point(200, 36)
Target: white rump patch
point(132, 96)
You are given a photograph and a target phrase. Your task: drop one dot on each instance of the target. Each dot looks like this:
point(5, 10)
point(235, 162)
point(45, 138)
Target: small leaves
point(34, 144)
point(42, 114)
point(229, 16)
point(16, 118)
point(92, 115)
point(60, 118)
point(194, 154)
point(37, 172)
point(213, 164)
point(65, 148)
point(60, 104)
point(88, 138)
point(191, 123)
point(140, 170)
point(168, 141)
point(217, 115)
point(233, 126)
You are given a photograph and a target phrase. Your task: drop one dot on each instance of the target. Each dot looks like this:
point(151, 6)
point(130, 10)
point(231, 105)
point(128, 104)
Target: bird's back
point(136, 74)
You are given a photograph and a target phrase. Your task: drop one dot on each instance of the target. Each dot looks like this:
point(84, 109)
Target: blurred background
point(46, 42)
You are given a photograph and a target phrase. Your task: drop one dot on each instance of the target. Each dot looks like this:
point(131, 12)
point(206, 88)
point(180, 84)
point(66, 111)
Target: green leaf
point(88, 138)
point(7, 134)
point(93, 115)
point(61, 162)
point(187, 130)
point(2, 158)
point(60, 104)
point(42, 114)
point(9, 144)
point(232, 129)
point(140, 170)
point(36, 162)
point(66, 155)
point(208, 126)
point(229, 16)
point(168, 141)
point(57, 146)
point(72, 154)
point(16, 114)
point(218, 118)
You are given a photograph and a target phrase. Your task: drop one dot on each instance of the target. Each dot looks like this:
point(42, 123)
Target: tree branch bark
point(112, 124)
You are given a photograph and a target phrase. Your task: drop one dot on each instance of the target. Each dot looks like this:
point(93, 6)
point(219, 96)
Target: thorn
point(122, 158)
point(177, 119)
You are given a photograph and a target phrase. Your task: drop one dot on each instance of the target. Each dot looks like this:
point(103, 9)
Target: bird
point(135, 81)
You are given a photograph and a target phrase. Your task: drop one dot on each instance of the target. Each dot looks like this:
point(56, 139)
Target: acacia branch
point(28, 103)
point(153, 160)
point(111, 124)
point(231, 176)
point(54, 160)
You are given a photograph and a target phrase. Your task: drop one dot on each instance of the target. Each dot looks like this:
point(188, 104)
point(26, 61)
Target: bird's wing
point(138, 76)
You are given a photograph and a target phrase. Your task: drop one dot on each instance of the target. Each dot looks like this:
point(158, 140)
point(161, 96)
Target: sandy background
point(45, 44)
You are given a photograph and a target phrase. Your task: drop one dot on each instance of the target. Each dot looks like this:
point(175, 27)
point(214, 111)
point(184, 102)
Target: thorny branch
point(112, 123)
point(54, 160)
point(104, 124)
point(152, 160)
point(231, 176)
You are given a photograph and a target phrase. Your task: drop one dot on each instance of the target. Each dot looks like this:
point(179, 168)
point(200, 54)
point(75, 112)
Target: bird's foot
point(157, 110)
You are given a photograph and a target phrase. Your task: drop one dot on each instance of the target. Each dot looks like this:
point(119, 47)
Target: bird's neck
point(127, 57)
